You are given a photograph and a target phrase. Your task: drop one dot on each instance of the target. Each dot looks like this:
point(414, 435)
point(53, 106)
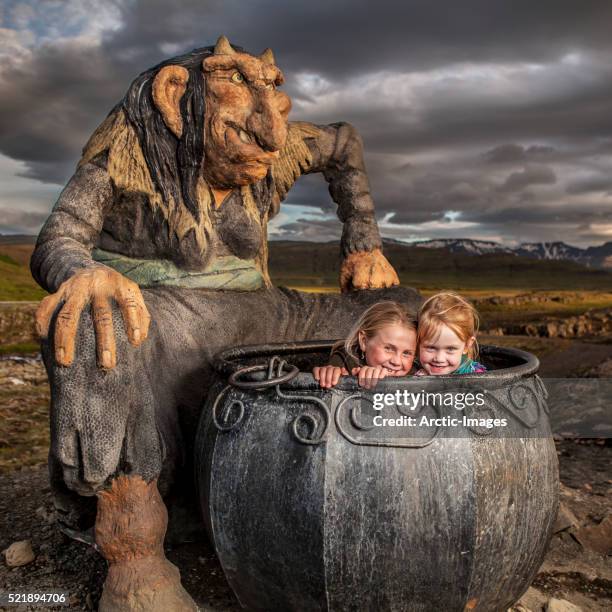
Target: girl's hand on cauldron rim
point(370, 375)
point(328, 376)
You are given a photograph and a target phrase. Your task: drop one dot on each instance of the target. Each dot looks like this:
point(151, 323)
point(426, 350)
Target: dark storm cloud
point(416, 216)
point(346, 37)
point(22, 222)
point(49, 171)
point(423, 194)
point(49, 107)
point(309, 229)
point(510, 153)
point(311, 190)
point(530, 175)
point(583, 213)
point(568, 115)
point(530, 119)
point(580, 224)
point(591, 184)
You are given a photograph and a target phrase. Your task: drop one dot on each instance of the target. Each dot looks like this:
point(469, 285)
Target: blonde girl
point(447, 328)
point(381, 343)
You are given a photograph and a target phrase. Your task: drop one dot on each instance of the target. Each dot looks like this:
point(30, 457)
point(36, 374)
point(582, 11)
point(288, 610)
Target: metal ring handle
point(261, 384)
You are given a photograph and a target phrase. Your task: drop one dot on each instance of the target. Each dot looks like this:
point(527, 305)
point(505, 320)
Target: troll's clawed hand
point(367, 270)
point(97, 285)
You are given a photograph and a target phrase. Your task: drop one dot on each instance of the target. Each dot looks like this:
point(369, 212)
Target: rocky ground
point(577, 570)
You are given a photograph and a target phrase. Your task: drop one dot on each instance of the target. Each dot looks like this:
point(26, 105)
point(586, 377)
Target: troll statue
point(155, 256)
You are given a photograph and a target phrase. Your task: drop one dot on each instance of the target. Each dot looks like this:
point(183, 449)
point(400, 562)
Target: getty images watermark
point(404, 400)
point(494, 407)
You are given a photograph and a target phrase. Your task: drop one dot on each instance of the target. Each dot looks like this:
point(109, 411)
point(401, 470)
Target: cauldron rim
point(232, 359)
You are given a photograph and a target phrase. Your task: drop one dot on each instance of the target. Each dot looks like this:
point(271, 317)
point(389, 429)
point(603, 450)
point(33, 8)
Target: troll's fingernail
point(61, 353)
point(106, 359)
point(136, 334)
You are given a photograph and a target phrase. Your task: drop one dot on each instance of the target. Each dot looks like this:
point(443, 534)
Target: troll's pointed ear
point(168, 89)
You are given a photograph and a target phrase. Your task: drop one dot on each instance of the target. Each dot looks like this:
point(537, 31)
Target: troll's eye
point(237, 77)
point(270, 86)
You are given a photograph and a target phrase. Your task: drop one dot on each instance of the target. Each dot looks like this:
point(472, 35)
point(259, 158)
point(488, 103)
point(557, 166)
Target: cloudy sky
point(482, 118)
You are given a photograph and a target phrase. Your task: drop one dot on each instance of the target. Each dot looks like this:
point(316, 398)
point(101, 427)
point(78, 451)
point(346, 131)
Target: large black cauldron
point(311, 508)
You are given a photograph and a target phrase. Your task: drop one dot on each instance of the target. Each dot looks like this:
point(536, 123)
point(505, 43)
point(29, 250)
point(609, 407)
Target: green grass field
point(302, 266)
point(16, 282)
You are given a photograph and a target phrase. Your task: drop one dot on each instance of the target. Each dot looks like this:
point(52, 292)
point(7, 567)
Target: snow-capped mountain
point(595, 256)
point(464, 245)
point(551, 250)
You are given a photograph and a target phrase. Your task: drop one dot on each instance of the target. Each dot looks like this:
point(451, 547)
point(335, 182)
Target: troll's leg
point(130, 528)
point(115, 435)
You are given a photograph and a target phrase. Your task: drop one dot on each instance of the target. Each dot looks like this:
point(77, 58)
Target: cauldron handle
point(276, 381)
point(272, 381)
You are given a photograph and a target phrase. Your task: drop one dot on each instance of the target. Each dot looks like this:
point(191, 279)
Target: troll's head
point(216, 112)
point(246, 116)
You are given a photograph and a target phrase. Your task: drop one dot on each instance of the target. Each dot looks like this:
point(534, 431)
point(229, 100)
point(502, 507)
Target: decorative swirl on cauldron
point(367, 441)
point(304, 418)
point(410, 412)
point(226, 425)
point(522, 396)
point(479, 414)
point(356, 422)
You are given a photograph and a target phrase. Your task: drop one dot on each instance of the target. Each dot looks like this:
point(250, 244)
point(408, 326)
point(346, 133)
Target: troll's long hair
point(174, 165)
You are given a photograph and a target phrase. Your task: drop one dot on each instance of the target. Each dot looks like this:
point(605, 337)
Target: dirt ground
point(576, 568)
point(572, 570)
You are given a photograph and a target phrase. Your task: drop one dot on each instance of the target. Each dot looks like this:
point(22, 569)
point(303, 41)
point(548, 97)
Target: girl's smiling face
point(392, 347)
point(443, 354)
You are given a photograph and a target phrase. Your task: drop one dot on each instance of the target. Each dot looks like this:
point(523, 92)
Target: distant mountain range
point(17, 239)
point(593, 257)
point(432, 264)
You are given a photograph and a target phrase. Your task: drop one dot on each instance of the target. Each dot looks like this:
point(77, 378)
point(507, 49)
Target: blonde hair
point(450, 309)
point(375, 318)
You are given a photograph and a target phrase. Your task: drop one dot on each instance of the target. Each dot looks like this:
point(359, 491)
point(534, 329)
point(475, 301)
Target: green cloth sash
point(226, 272)
point(469, 366)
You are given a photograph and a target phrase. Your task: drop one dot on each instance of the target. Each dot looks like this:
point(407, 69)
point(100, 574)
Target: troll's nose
point(269, 121)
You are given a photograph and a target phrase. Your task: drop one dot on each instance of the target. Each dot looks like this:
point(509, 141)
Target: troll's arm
point(336, 150)
point(70, 233)
point(62, 264)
